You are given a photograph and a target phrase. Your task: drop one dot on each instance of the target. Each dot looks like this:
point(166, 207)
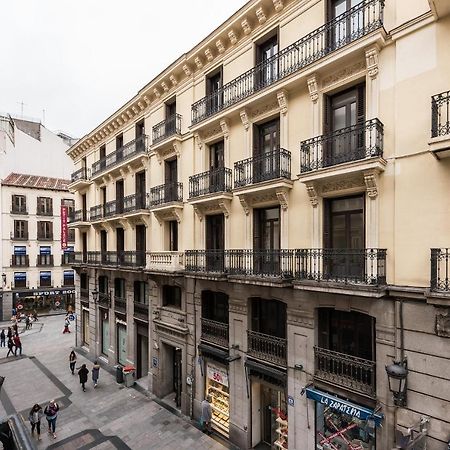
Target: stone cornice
point(210, 51)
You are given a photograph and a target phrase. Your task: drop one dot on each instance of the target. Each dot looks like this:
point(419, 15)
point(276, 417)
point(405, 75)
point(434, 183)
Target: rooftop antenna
point(22, 104)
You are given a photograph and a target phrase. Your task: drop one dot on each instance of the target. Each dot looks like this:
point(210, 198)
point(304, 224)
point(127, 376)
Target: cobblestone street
point(110, 416)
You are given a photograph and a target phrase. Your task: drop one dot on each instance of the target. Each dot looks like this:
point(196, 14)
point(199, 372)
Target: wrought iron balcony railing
point(44, 260)
point(440, 270)
point(205, 261)
point(353, 143)
point(358, 266)
point(268, 348)
point(124, 258)
point(141, 311)
point(120, 304)
point(135, 202)
point(266, 166)
point(97, 212)
point(166, 128)
point(165, 261)
point(210, 182)
point(114, 208)
point(80, 215)
point(261, 263)
point(440, 114)
point(84, 293)
point(349, 372)
point(20, 261)
point(355, 23)
point(19, 209)
point(129, 150)
point(215, 332)
point(166, 193)
point(94, 258)
point(104, 299)
point(81, 174)
point(68, 258)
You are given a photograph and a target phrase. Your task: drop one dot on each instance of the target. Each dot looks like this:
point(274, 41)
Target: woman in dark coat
point(83, 374)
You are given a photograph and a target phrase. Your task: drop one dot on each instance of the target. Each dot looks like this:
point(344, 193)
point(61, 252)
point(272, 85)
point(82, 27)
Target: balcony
point(165, 261)
point(166, 201)
point(104, 299)
point(130, 154)
point(97, 212)
point(208, 262)
point(356, 143)
point(80, 178)
point(79, 218)
point(354, 24)
point(120, 304)
point(345, 371)
point(113, 208)
point(211, 182)
point(274, 264)
point(440, 125)
point(166, 129)
point(20, 261)
point(44, 260)
point(84, 293)
point(341, 267)
point(440, 270)
point(19, 209)
point(125, 259)
point(214, 332)
point(141, 311)
point(67, 259)
point(271, 349)
point(136, 204)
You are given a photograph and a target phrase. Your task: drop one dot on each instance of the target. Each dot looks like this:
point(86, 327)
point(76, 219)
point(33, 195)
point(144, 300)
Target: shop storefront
point(85, 326)
point(217, 387)
point(43, 301)
point(341, 424)
point(104, 317)
point(121, 342)
point(269, 405)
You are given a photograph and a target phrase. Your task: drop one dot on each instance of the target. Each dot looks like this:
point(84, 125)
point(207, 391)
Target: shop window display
point(217, 388)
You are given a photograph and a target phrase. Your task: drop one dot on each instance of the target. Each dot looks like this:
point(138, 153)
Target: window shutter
point(361, 104)
point(326, 224)
point(257, 229)
point(25, 228)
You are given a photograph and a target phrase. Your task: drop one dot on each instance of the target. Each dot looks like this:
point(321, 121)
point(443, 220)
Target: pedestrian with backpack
point(95, 373)
point(51, 414)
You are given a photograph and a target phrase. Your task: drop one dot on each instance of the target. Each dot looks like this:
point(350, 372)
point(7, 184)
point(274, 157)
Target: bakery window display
point(217, 388)
point(281, 429)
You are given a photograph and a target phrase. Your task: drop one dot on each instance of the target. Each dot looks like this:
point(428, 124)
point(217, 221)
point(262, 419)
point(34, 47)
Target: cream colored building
point(267, 222)
point(36, 271)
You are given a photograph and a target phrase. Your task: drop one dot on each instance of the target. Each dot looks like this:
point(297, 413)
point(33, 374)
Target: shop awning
point(266, 370)
point(20, 250)
point(344, 406)
point(19, 276)
point(45, 250)
point(213, 351)
point(69, 250)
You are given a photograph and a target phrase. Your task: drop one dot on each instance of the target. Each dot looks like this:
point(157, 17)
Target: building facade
point(36, 272)
point(267, 222)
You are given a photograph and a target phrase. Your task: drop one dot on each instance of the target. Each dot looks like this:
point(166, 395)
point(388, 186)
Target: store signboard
point(218, 375)
point(343, 406)
point(64, 227)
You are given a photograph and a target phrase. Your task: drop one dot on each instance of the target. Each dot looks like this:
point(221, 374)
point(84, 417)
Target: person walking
point(10, 333)
point(10, 347)
point(35, 316)
point(35, 417)
point(2, 339)
point(206, 415)
point(27, 323)
point(83, 374)
point(66, 325)
point(17, 344)
point(30, 317)
point(72, 361)
point(51, 414)
point(95, 373)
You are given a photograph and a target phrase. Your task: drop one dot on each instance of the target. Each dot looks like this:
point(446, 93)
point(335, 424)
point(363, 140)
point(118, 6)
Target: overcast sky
point(80, 60)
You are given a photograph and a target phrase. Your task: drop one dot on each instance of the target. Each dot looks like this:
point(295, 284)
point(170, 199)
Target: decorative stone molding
point(176, 149)
point(124, 117)
point(208, 54)
point(198, 212)
point(385, 334)
point(313, 88)
point(164, 86)
point(233, 37)
point(261, 15)
point(141, 106)
point(264, 109)
point(282, 197)
point(225, 208)
point(198, 62)
point(187, 70)
point(372, 61)
point(173, 80)
point(443, 322)
point(220, 46)
point(135, 110)
point(370, 180)
point(340, 185)
point(237, 307)
point(129, 114)
point(278, 5)
point(198, 140)
point(246, 27)
point(123, 172)
point(146, 100)
point(300, 318)
point(244, 204)
point(114, 124)
point(212, 133)
point(312, 193)
point(177, 214)
point(343, 74)
point(156, 92)
point(282, 97)
point(225, 126)
point(245, 119)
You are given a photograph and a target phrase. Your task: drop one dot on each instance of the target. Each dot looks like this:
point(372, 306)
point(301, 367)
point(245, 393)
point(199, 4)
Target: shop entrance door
point(177, 377)
point(105, 332)
point(121, 344)
point(85, 328)
point(142, 356)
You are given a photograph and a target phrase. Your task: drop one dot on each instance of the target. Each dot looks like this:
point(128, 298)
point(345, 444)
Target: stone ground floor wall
point(176, 333)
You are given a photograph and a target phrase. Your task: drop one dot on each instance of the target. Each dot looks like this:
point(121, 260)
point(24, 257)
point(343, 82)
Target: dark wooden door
point(215, 242)
point(140, 190)
point(213, 92)
point(171, 175)
point(84, 246)
point(348, 28)
point(266, 151)
point(103, 244)
point(267, 63)
point(120, 242)
point(266, 241)
point(119, 196)
point(177, 375)
point(141, 244)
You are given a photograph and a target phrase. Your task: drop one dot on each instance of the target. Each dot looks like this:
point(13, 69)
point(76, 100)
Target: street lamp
point(4, 279)
point(397, 373)
point(95, 295)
